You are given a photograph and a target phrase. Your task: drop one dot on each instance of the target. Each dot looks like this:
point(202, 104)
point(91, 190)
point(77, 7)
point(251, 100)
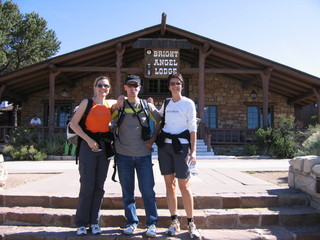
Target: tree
point(24, 38)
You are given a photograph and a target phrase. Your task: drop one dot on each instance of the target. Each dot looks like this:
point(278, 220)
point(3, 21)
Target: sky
point(285, 31)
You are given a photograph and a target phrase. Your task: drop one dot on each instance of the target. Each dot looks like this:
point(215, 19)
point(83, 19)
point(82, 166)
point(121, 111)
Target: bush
point(250, 149)
point(25, 144)
point(55, 145)
point(281, 142)
point(311, 146)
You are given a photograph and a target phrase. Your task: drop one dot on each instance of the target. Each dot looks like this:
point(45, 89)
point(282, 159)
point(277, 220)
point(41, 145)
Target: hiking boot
point(95, 229)
point(194, 233)
point(81, 231)
point(151, 231)
point(129, 230)
point(174, 228)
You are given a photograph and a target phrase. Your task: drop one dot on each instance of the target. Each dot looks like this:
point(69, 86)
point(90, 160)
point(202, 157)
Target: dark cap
point(133, 78)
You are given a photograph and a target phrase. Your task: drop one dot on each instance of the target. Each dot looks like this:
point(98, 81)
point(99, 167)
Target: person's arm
point(76, 127)
point(193, 148)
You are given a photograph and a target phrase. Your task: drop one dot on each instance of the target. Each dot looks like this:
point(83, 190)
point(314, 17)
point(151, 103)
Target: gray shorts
point(172, 163)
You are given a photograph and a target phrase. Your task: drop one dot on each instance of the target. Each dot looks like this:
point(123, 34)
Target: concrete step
point(60, 233)
point(284, 198)
point(204, 218)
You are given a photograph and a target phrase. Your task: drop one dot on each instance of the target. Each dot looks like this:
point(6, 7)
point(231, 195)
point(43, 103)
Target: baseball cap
point(133, 78)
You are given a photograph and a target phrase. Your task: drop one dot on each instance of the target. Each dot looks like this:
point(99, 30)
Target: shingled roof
point(299, 87)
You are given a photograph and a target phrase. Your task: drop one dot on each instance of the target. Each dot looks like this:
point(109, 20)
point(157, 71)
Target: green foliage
point(250, 149)
point(311, 146)
point(24, 38)
point(280, 142)
point(25, 144)
point(55, 145)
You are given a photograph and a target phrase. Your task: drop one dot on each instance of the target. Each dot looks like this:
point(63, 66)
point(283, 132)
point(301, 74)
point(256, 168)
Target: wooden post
point(265, 93)
point(119, 51)
point(316, 93)
point(203, 53)
point(52, 80)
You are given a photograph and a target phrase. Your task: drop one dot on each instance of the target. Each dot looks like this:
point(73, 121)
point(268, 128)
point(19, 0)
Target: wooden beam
point(300, 98)
point(316, 93)
point(265, 97)
point(120, 49)
point(163, 25)
point(57, 71)
point(221, 70)
point(99, 69)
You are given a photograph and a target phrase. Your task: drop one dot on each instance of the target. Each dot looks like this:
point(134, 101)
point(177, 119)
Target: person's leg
point(172, 201)
point(146, 185)
point(187, 196)
point(98, 193)
point(125, 166)
point(87, 169)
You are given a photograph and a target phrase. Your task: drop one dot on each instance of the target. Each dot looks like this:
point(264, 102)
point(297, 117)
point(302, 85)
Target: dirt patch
point(278, 178)
point(17, 179)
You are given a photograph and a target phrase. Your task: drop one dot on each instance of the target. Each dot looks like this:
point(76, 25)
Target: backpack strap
point(165, 103)
point(82, 124)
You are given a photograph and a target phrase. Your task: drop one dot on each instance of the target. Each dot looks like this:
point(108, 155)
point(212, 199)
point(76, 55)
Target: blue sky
point(285, 31)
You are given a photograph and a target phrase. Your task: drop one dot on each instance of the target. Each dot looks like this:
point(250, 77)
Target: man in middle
point(133, 153)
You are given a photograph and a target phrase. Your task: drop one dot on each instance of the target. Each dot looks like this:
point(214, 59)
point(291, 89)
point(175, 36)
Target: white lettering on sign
point(164, 71)
point(165, 62)
point(164, 53)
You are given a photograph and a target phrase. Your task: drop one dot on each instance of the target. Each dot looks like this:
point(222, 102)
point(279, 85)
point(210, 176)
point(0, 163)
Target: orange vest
point(99, 118)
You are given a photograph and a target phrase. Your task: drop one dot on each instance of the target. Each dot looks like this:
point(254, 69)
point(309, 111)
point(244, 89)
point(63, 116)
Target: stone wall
point(224, 92)
point(304, 175)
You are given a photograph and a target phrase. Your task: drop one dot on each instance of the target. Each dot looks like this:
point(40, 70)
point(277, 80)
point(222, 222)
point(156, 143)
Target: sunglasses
point(175, 83)
point(133, 85)
point(99, 85)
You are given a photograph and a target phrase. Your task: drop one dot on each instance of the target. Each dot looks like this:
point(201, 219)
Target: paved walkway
point(218, 175)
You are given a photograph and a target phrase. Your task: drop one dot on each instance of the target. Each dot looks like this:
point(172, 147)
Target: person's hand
point(150, 100)
point(120, 101)
point(191, 159)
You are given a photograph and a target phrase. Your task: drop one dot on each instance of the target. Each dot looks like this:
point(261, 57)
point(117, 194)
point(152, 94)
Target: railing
point(43, 131)
point(233, 136)
point(210, 135)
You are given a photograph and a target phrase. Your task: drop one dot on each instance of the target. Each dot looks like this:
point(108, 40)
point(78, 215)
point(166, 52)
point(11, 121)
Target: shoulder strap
point(166, 102)
point(82, 124)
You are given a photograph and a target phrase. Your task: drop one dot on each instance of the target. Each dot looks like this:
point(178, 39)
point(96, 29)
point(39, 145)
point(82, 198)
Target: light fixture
point(64, 93)
point(253, 94)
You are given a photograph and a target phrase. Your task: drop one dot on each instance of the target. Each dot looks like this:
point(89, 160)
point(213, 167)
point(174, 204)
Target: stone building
point(235, 91)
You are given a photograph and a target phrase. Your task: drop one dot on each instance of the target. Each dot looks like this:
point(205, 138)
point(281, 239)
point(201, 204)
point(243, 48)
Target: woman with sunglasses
point(177, 150)
point(94, 154)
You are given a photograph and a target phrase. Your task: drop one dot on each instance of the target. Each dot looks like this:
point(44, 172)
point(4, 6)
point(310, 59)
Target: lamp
point(253, 94)
point(64, 93)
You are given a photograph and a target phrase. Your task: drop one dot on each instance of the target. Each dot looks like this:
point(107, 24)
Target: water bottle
point(193, 170)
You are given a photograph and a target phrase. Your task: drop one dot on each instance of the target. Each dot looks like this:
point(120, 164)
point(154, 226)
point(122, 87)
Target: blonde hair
point(96, 82)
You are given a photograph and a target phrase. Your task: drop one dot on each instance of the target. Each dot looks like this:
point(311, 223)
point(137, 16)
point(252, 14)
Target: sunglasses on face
point(99, 85)
point(133, 85)
point(175, 83)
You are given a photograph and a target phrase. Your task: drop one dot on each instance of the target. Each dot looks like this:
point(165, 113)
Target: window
point(255, 117)
point(61, 113)
point(154, 86)
point(210, 116)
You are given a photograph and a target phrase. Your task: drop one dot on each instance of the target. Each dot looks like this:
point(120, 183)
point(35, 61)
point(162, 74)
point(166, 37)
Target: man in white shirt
point(35, 121)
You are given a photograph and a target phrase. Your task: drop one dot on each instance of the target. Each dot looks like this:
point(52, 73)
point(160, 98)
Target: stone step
point(288, 197)
point(62, 233)
point(59, 233)
point(204, 218)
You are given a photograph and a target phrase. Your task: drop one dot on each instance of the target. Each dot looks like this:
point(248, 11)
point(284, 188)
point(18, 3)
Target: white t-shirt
point(35, 121)
point(180, 116)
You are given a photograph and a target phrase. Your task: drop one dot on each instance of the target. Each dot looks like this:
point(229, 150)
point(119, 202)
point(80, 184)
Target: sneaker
point(174, 228)
point(151, 231)
point(194, 233)
point(81, 231)
point(95, 229)
point(129, 230)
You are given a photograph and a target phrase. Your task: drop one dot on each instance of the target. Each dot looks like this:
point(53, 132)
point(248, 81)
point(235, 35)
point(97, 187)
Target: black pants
point(93, 169)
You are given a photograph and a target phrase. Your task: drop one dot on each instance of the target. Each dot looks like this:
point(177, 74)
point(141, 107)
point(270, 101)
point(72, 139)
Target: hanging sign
point(160, 63)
